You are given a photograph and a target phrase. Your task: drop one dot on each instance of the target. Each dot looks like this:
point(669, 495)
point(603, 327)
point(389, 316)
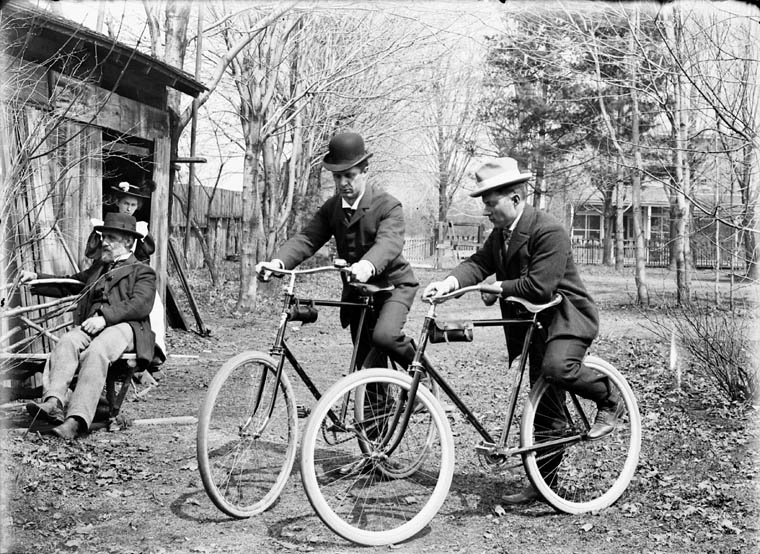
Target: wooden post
point(159, 220)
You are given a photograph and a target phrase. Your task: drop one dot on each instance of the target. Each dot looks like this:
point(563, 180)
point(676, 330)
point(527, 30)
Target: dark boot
point(51, 410)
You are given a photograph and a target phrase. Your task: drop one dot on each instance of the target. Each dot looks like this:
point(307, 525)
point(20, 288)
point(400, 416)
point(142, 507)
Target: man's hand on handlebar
point(362, 270)
point(439, 288)
point(489, 293)
point(26, 276)
point(264, 269)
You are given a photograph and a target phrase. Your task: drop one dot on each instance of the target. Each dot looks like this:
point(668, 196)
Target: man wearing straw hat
point(530, 253)
point(111, 318)
point(368, 226)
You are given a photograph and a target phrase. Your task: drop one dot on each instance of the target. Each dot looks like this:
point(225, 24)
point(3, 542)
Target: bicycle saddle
point(535, 308)
point(368, 289)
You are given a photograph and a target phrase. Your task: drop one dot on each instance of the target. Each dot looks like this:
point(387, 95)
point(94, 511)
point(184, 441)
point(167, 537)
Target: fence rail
point(658, 255)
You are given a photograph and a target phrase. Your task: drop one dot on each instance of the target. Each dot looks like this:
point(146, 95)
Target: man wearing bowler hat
point(368, 226)
point(129, 199)
point(111, 317)
point(530, 253)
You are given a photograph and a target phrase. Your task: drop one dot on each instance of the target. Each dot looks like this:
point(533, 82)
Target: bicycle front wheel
point(404, 463)
point(245, 455)
point(578, 474)
point(344, 460)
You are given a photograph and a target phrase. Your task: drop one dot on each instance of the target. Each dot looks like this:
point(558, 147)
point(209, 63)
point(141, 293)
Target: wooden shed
point(80, 112)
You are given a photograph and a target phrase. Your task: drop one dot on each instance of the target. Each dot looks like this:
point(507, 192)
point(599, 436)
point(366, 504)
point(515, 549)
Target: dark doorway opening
point(125, 158)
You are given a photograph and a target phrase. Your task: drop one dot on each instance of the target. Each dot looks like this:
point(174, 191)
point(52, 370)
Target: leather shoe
point(526, 496)
point(51, 409)
point(606, 420)
point(68, 430)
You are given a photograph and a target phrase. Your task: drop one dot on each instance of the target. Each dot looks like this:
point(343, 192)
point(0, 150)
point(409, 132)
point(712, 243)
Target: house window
point(587, 226)
point(659, 224)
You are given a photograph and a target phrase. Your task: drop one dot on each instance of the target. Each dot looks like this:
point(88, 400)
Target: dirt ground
point(139, 491)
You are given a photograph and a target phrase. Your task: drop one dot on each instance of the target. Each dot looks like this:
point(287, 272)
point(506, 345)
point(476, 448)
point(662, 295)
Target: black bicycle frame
point(422, 365)
point(281, 351)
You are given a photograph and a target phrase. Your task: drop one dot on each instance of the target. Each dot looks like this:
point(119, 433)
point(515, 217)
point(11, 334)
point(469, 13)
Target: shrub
point(720, 344)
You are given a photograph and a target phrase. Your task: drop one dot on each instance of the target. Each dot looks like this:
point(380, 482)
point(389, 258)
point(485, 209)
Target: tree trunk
point(249, 247)
point(608, 251)
point(749, 212)
point(619, 219)
point(642, 295)
point(682, 172)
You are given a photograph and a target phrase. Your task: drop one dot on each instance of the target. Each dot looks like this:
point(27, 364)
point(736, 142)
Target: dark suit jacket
point(374, 233)
point(129, 292)
point(538, 264)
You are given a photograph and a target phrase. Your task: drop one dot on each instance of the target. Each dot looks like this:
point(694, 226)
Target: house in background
point(588, 229)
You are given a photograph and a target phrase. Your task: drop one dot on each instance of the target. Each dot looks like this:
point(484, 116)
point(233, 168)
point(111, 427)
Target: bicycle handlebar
point(281, 272)
point(530, 306)
point(456, 294)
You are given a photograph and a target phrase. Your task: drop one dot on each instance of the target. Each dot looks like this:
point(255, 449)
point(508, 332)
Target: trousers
point(384, 328)
point(88, 358)
point(560, 363)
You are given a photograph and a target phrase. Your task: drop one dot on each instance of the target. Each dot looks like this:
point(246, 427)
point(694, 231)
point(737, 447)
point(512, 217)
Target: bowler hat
point(344, 152)
point(498, 173)
point(144, 190)
point(121, 223)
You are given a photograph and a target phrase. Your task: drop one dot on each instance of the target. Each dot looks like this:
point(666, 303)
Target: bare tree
point(450, 102)
point(310, 74)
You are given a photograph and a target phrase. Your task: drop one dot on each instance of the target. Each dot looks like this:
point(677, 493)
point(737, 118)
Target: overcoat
point(537, 264)
point(375, 233)
point(128, 292)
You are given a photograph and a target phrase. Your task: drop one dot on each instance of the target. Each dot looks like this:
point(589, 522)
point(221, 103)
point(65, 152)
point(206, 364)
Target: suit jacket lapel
point(521, 233)
point(122, 270)
point(363, 207)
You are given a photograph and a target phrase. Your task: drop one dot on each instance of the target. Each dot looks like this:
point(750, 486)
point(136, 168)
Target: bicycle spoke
point(364, 489)
point(245, 455)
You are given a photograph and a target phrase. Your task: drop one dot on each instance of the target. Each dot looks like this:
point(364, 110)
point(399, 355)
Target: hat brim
point(498, 182)
point(329, 166)
point(119, 191)
point(101, 228)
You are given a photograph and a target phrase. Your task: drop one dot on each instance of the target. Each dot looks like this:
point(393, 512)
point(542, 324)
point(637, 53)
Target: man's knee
point(556, 369)
point(71, 340)
point(385, 338)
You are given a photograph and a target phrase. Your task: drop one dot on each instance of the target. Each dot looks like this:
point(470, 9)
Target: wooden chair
point(26, 357)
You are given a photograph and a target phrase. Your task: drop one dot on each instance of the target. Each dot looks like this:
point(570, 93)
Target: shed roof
point(121, 68)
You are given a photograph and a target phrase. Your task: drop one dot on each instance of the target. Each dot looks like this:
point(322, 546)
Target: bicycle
point(371, 506)
point(247, 426)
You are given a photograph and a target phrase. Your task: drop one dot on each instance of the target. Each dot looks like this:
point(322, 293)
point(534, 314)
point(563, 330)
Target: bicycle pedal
point(486, 449)
point(303, 411)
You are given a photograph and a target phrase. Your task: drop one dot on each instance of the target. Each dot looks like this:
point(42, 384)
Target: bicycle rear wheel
point(365, 406)
point(588, 474)
point(342, 462)
point(245, 456)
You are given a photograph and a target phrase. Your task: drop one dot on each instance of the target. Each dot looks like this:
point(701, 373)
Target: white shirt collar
point(516, 221)
point(355, 205)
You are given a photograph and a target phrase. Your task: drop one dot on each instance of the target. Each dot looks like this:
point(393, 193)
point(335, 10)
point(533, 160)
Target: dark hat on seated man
point(143, 190)
point(121, 223)
point(344, 152)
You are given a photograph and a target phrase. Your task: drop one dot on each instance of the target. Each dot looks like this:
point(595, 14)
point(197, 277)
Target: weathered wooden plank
point(87, 103)
point(159, 223)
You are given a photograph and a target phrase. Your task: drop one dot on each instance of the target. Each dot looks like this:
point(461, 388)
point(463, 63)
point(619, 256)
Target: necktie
point(349, 213)
point(505, 235)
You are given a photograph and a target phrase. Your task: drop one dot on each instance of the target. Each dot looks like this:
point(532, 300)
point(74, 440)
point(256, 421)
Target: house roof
point(121, 68)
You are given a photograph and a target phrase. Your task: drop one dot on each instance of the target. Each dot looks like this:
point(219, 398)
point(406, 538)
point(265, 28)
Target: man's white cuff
point(452, 282)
